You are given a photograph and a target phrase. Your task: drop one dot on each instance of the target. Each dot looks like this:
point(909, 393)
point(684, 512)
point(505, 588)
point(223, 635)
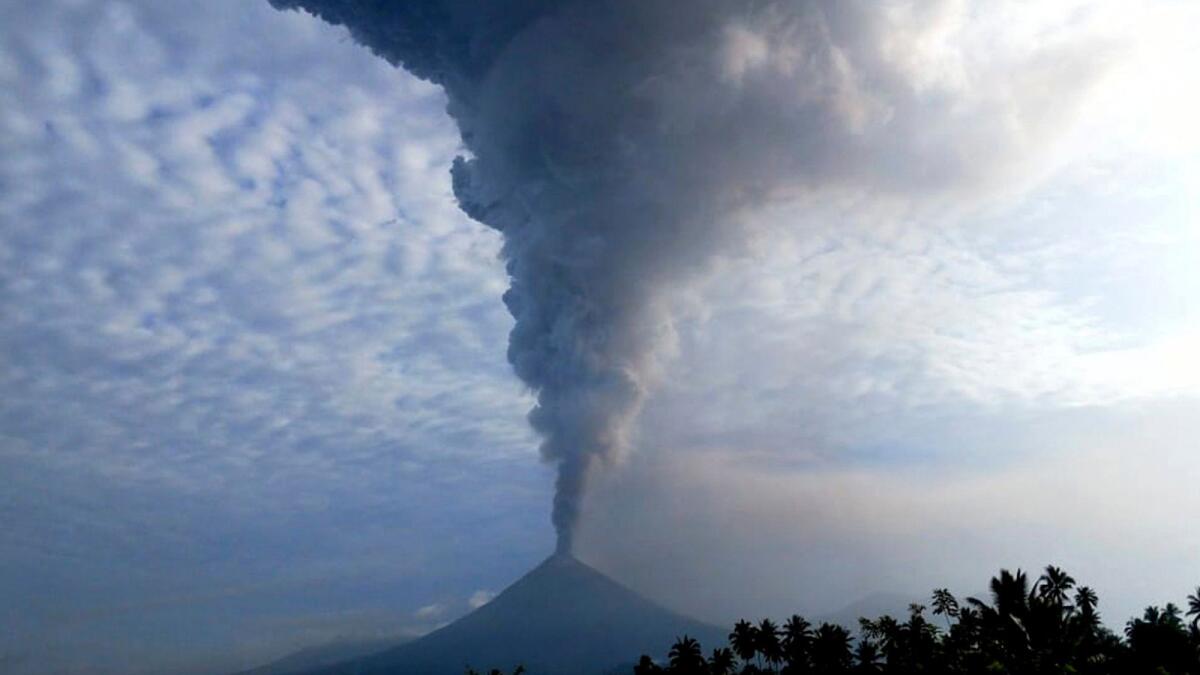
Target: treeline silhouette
point(1049, 627)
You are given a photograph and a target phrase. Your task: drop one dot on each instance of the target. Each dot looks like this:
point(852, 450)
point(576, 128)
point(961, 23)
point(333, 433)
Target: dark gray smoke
point(619, 146)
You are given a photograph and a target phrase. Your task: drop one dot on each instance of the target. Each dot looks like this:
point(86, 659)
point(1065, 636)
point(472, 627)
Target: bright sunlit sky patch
point(253, 389)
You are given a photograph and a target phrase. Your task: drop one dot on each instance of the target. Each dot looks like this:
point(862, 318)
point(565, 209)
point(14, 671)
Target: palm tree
point(646, 666)
point(967, 628)
point(886, 634)
point(1086, 623)
point(866, 656)
point(1172, 615)
point(945, 604)
point(1194, 608)
point(1159, 640)
point(1010, 594)
point(768, 642)
point(869, 628)
point(888, 630)
point(797, 636)
point(1088, 619)
point(1085, 599)
point(919, 637)
point(685, 657)
point(1003, 631)
point(721, 662)
point(831, 649)
point(1046, 629)
point(962, 645)
point(1054, 584)
point(744, 640)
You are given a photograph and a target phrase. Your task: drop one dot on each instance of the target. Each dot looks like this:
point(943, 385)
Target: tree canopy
point(1049, 626)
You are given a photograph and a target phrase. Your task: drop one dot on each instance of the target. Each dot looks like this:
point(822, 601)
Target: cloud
point(480, 598)
point(430, 612)
point(241, 310)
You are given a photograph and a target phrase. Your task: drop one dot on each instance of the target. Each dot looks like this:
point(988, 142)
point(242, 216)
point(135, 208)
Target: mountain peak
point(563, 616)
point(561, 560)
point(564, 557)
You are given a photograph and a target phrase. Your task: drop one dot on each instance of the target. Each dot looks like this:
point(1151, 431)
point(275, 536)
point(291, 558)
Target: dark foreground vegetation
point(1049, 627)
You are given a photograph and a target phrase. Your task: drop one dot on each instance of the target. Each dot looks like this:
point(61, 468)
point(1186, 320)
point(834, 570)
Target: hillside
point(562, 618)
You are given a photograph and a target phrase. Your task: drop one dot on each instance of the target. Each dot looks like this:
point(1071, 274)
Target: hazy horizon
point(255, 389)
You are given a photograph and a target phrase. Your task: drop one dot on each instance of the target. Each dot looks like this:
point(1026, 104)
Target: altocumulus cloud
point(244, 325)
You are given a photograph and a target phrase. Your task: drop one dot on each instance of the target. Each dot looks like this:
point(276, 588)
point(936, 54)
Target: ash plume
point(619, 146)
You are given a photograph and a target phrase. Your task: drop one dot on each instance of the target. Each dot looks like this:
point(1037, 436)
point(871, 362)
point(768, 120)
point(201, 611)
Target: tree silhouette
point(744, 640)
point(1159, 640)
point(768, 642)
point(686, 658)
point(646, 666)
point(797, 639)
point(945, 604)
point(1054, 585)
point(1084, 629)
point(721, 662)
point(1086, 600)
point(1043, 630)
point(1193, 601)
point(1010, 593)
point(866, 657)
point(831, 650)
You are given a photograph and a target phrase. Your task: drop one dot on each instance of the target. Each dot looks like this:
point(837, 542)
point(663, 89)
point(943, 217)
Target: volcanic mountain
point(562, 618)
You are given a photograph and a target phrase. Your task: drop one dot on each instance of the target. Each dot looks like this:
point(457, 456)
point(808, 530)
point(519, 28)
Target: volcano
point(562, 618)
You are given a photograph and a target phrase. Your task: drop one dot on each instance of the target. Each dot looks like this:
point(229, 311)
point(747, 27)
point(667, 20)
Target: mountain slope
point(563, 618)
point(872, 607)
point(311, 658)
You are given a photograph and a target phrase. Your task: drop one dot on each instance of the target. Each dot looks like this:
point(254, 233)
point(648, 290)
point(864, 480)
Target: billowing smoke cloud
point(619, 146)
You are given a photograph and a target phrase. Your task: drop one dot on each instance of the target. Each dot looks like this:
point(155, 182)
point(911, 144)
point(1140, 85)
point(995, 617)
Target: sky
point(254, 392)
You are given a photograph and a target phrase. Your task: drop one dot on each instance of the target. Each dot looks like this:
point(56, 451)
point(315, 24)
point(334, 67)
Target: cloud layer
point(244, 323)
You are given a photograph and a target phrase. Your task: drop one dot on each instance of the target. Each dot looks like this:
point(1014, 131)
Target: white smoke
point(618, 146)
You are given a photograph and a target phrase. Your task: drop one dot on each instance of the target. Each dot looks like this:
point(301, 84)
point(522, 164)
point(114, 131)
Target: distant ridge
point(872, 607)
point(562, 618)
point(331, 653)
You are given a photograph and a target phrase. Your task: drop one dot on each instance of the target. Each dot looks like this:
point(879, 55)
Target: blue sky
point(254, 396)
